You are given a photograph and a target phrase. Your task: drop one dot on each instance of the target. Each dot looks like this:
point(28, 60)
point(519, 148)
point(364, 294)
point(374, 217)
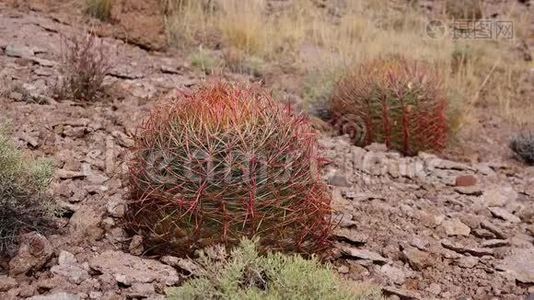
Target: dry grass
point(477, 72)
point(100, 9)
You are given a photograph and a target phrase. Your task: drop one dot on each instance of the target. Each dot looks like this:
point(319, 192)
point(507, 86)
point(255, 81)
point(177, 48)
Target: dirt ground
point(422, 228)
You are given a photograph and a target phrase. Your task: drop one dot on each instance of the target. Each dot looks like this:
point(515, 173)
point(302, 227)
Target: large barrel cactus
point(394, 101)
point(223, 163)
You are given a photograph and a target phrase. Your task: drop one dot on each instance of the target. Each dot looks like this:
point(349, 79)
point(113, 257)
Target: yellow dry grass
point(329, 39)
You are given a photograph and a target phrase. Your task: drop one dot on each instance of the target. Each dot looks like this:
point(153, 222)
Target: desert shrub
point(239, 62)
point(24, 204)
point(100, 9)
point(523, 146)
point(247, 275)
point(224, 162)
point(464, 9)
point(85, 61)
point(394, 101)
point(205, 60)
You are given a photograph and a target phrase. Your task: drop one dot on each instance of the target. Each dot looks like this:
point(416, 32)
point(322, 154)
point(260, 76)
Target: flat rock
point(465, 180)
point(133, 268)
point(403, 294)
point(417, 259)
point(464, 249)
point(467, 262)
point(520, 265)
point(18, 51)
point(69, 268)
point(469, 190)
point(353, 237)
point(395, 274)
point(494, 243)
point(455, 227)
point(363, 254)
point(485, 224)
point(502, 213)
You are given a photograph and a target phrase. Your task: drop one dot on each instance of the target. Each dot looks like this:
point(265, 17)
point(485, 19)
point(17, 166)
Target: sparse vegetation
point(224, 163)
point(523, 146)
point(24, 203)
point(395, 101)
point(205, 61)
point(100, 9)
point(464, 9)
point(85, 61)
point(247, 275)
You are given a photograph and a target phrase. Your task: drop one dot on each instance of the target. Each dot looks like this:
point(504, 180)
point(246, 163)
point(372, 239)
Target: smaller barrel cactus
point(395, 101)
point(223, 163)
point(523, 146)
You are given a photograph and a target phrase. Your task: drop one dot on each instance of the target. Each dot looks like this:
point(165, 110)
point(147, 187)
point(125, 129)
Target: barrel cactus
point(523, 146)
point(223, 163)
point(395, 101)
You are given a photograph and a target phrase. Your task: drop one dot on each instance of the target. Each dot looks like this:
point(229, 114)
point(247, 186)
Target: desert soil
point(422, 228)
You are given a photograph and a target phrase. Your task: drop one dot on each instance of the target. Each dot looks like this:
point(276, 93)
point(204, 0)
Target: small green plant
point(395, 101)
point(523, 146)
point(247, 275)
point(24, 203)
point(205, 61)
point(100, 9)
point(85, 62)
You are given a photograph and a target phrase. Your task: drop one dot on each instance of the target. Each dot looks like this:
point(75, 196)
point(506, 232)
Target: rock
point(363, 254)
point(467, 262)
point(18, 51)
point(434, 288)
point(504, 214)
point(34, 252)
point(123, 139)
point(116, 207)
point(394, 274)
point(353, 237)
point(465, 180)
point(376, 147)
point(499, 196)
point(468, 190)
point(184, 264)
point(483, 234)
point(455, 227)
point(136, 269)
point(344, 220)
point(403, 294)
point(69, 268)
point(56, 296)
point(136, 245)
point(520, 265)
point(338, 179)
point(85, 223)
point(66, 174)
point(463, 249)
point(417, 259)
point(7, 283)
point(493, 229)
point(495, 243)
point(140, 290)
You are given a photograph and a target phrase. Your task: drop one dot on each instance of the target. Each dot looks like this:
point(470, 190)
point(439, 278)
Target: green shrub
point(246, 275)
point(205, 61)
point(24, 203)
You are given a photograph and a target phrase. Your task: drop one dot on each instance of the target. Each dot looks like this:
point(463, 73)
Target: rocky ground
point(421, 227)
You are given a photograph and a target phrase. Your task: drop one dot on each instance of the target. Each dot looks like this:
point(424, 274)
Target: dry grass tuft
point(100, 9)
point(85, 61)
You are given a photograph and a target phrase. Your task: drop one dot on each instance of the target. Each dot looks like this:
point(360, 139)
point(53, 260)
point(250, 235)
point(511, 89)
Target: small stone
point(468, 190)
point(483, 234)
point(34, 252)
point(116, 207)
point(504, 214)
point(338, 179)
point(417, 259)
point(495, 243)
point(123, 139)
point(7, 283)
point(184, 264)
point(493, 229)
point(363, 254)
point(467, 262)
point(140, 290)
point(66, 174)
point(343, 269)
point(395, 274)
point(455, 227)
point(465, 180)
point(463, 249)
point(18, 51)
point(353, 237)
point(136, 245)
point(403, 294)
